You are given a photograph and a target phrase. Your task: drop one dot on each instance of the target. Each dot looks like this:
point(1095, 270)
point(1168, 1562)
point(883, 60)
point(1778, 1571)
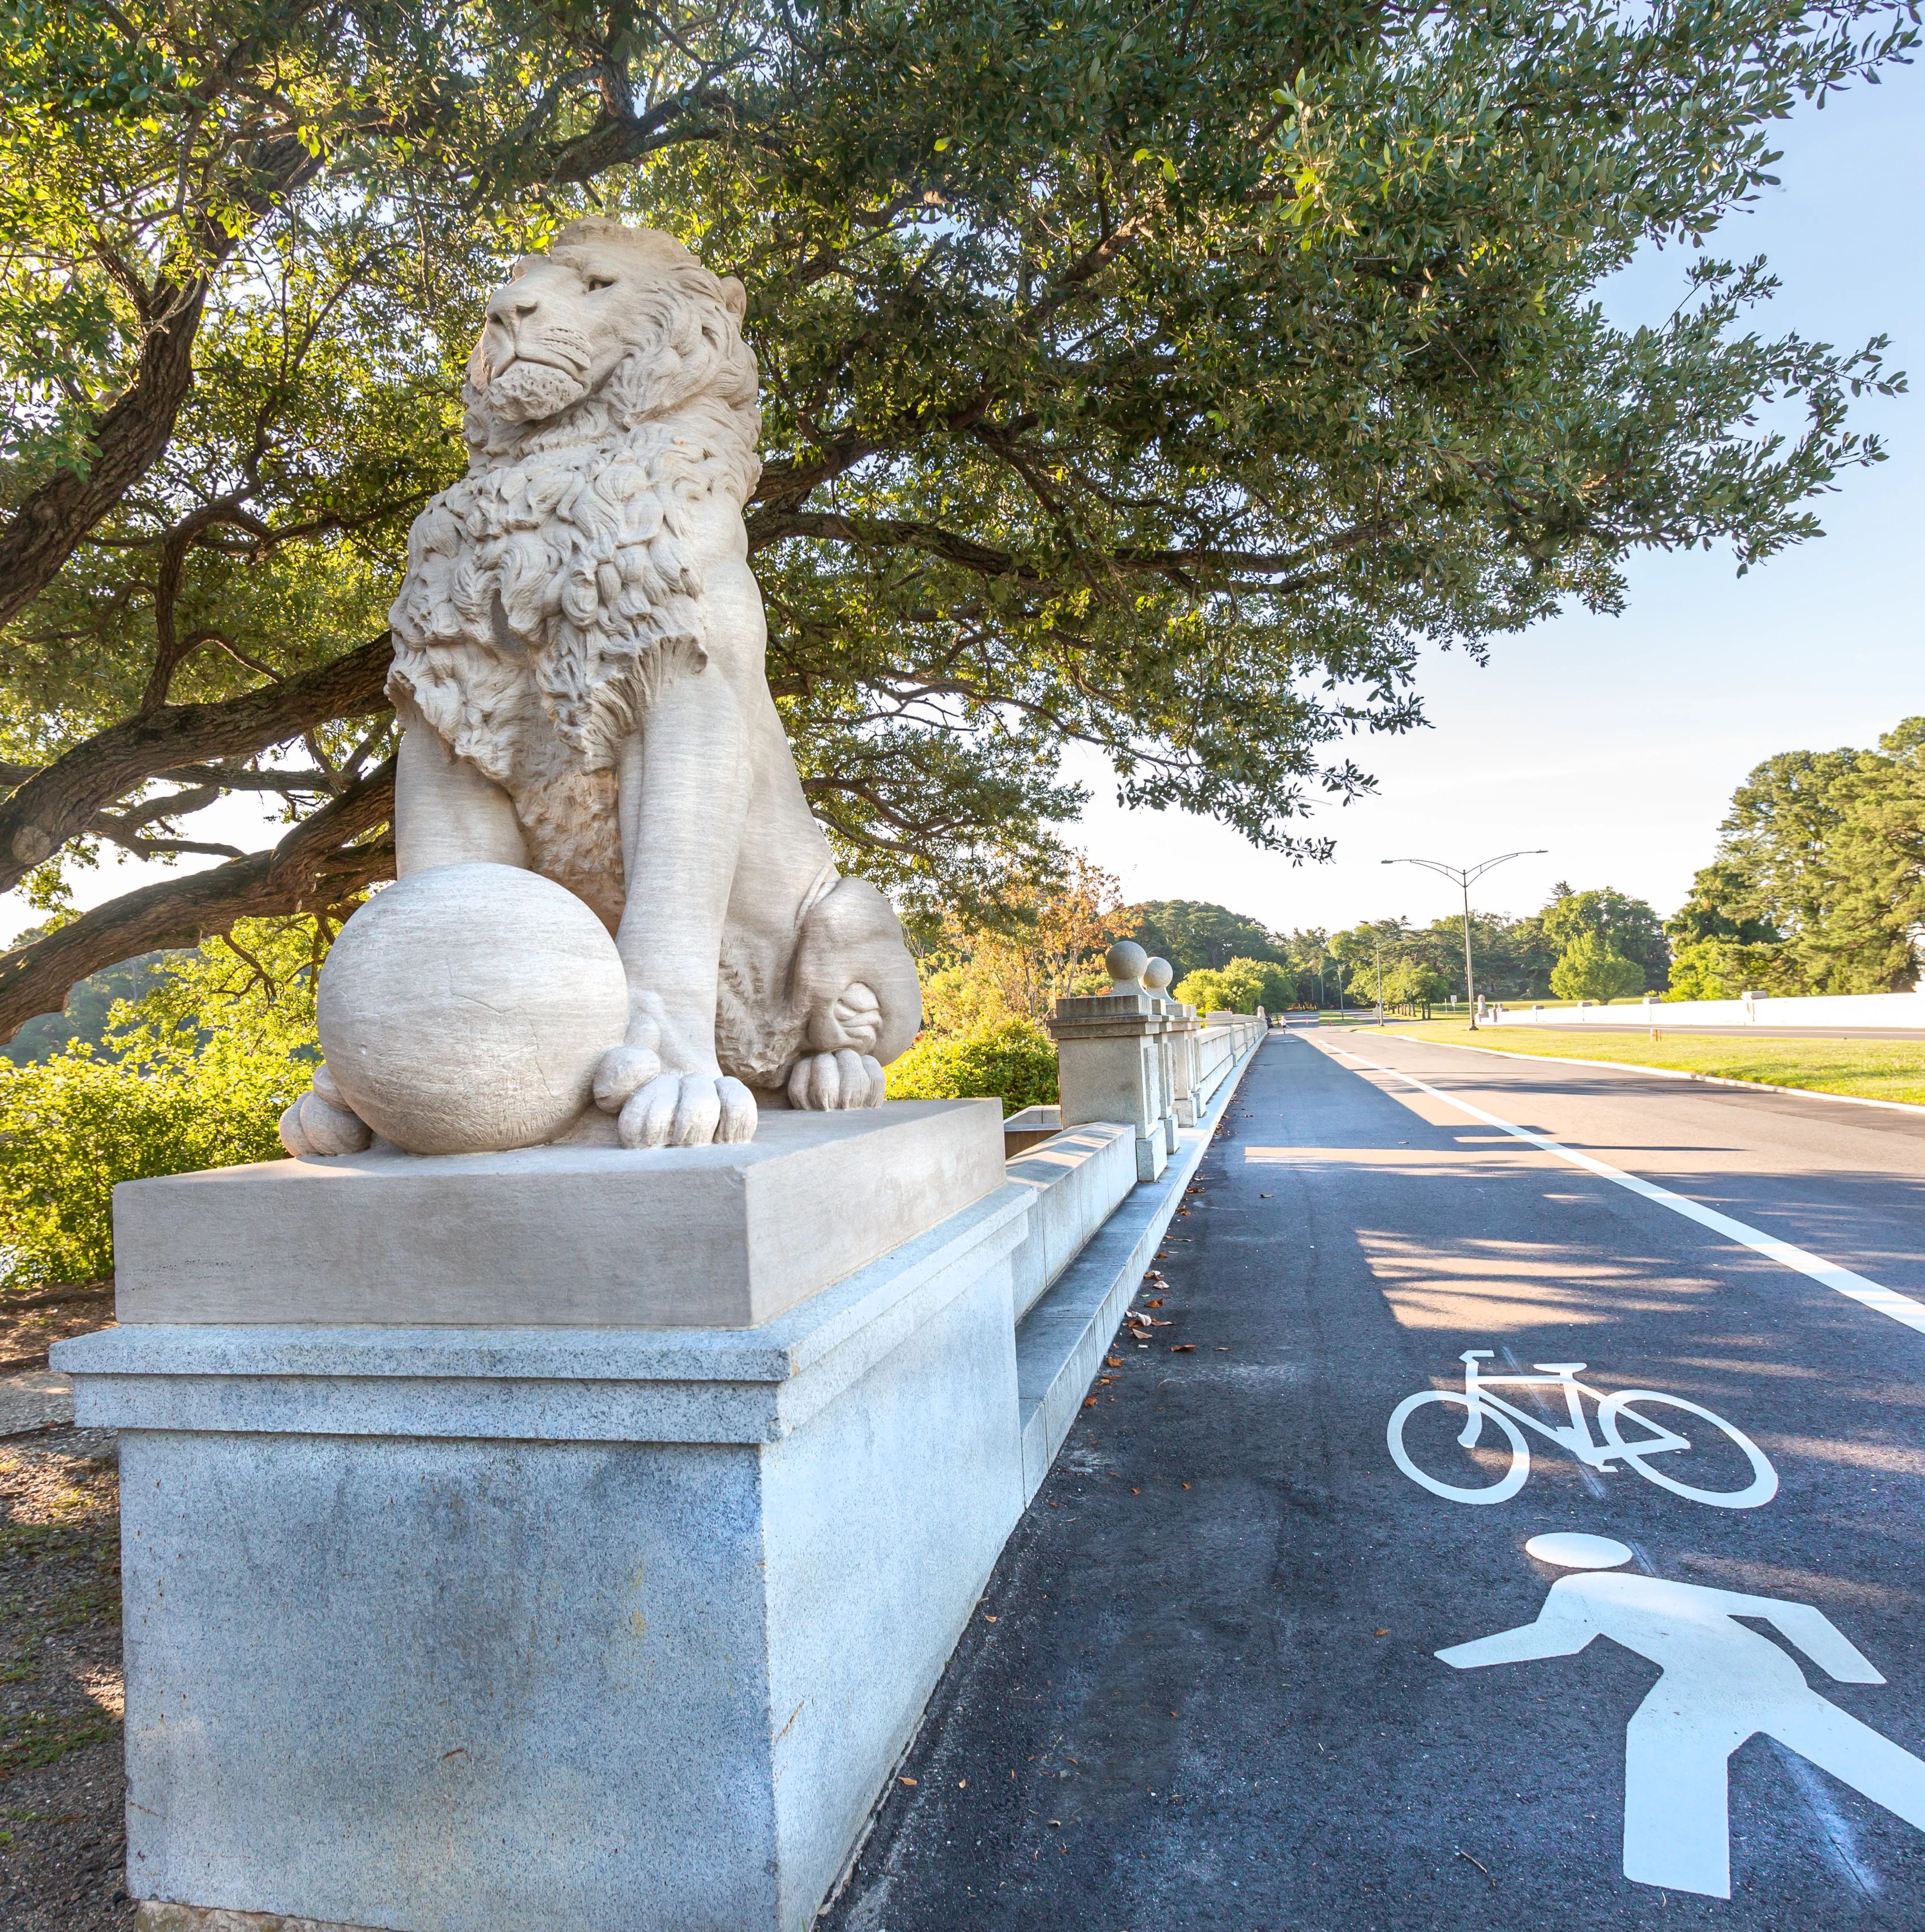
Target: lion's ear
point(735, 297)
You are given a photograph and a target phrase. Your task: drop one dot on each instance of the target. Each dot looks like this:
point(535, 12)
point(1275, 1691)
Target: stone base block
point(572, 1236)
point(437, 1629)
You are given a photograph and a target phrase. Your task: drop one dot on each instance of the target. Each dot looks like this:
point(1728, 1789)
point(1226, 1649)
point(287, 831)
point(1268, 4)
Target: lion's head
point(611, 391)
point(624, 319)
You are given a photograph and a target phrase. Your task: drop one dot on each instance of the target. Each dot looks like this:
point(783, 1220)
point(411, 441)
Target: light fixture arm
point(1463, 878)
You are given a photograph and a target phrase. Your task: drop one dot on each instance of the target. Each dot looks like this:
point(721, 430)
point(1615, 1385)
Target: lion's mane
point(547, 595)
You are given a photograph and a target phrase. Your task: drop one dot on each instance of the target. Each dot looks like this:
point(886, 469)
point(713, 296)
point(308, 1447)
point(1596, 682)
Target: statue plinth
point(722, 1237)
point(441, 1623)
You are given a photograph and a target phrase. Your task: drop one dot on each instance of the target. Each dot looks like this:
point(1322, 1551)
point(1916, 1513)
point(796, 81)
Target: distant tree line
point(1817, 886)
point(1600, 944)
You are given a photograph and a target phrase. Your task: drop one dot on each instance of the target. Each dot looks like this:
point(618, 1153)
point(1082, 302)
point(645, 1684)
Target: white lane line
point(1885, 1301)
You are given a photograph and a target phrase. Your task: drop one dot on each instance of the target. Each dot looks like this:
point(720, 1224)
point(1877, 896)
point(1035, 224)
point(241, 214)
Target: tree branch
point(1259, 570)
point(56, 803)
point(49, 524)
point(314, 867)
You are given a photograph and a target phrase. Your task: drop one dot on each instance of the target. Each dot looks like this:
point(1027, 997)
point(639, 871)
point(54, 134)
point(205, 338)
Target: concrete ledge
point(1079, 1176)
point(151, 1917)
point(1024, 1130)
point(535, 1385)
point(35, 1400)
point(1059, 1345)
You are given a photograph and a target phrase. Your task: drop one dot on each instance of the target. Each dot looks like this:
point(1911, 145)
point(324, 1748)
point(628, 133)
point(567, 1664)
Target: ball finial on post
point(1157, 976)
point(1124, 962)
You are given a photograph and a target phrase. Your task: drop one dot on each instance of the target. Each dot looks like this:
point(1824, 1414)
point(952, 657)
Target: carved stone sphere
point(1124, 962)
point(1157, 976)
point(463, 1009)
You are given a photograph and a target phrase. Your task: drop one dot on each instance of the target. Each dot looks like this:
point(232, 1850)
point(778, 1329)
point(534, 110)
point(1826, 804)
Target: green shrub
point(195, 1075)
point(72, 1126)
point(1013, 1060)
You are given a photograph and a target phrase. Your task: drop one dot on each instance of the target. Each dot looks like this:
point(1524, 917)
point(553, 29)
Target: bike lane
point(1203, 1689)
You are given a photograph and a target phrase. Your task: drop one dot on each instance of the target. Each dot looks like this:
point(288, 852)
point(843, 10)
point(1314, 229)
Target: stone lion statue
point(579, 669)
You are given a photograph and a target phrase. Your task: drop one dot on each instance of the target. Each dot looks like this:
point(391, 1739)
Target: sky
point(1614, 743)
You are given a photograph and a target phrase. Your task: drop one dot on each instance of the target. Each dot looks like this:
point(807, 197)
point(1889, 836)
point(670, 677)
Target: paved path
point(1203, 1690)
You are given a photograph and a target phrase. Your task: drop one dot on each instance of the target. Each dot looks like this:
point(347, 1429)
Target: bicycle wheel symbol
point(1613, 1410)
point(1501, 1491)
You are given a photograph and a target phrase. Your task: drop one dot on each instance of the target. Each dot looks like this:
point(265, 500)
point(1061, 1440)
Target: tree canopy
point(1193, 934)
point(1818, 884)
point(1513, 958)
point(1628, 928)
point(1591, 967)
point(1238, 986)
point(1161, 379)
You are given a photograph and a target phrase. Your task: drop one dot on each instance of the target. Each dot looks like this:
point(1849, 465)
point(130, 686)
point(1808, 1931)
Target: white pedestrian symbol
point(1721, 1684)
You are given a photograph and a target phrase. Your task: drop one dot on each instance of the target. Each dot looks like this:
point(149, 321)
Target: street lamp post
point(1464, 880)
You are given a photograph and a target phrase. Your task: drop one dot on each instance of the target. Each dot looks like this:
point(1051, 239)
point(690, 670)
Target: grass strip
point(1865, 1069)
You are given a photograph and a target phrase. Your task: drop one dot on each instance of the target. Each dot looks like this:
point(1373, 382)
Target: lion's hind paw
point(828, 1082)
point(688, 1110)
point(322, 1123)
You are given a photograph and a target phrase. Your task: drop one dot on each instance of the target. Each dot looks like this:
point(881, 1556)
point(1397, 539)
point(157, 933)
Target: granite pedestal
point(543, 1627)
point(1109, 1050)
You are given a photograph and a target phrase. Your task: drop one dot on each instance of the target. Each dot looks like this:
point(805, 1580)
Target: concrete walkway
point(34, 1399)
point(1202, 1690)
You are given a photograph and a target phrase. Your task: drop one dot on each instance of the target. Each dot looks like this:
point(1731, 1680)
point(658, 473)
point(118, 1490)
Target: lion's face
point(566, 320)
point(557, 330)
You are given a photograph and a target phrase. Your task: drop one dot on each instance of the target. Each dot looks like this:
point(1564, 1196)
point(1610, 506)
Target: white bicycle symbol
point(1613, 1411)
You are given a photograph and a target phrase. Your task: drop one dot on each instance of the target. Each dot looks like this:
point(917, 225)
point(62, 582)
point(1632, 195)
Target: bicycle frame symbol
point(1604, 1451)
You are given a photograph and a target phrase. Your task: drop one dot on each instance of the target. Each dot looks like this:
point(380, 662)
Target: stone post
point(1109, 1056)
point(1156, 978)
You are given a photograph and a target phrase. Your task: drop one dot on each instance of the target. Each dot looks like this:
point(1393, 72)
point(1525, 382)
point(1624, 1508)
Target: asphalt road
point(1202, 1689)
point(1514, 1027)
point(1511, 1028)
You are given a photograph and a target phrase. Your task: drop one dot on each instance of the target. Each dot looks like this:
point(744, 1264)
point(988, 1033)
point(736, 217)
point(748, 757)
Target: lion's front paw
point(322, 1123)
point(827, 1082)
point(687, 1110)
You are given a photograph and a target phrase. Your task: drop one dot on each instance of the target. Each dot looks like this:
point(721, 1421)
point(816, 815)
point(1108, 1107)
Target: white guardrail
point(1764, 1011)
